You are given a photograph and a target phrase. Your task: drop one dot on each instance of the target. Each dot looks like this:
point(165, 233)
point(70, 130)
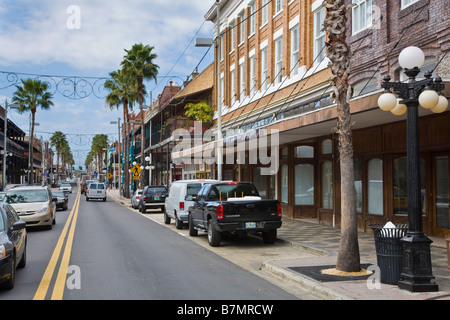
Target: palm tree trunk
point(126, 167)
point(33, 113)
point(338, 52)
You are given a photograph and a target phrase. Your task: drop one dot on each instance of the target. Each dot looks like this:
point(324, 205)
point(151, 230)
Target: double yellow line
point(58, 289)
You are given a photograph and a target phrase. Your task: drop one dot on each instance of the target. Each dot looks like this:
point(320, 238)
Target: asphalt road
point(101, 250)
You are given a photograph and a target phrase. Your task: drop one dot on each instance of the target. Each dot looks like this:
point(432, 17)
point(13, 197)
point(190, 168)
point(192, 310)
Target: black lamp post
point(416, 275)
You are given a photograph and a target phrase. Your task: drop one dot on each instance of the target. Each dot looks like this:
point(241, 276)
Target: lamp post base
point(417, 275)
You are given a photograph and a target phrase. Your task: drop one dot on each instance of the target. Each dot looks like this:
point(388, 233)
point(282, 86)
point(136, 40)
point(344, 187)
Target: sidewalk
point(323, 241)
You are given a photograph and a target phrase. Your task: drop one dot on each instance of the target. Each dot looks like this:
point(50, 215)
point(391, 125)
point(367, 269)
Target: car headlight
point(2, 252)
point(43, 209)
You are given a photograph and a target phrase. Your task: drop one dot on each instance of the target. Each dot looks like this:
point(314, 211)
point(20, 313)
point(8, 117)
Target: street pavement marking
point(41, 292)
point(58, 289)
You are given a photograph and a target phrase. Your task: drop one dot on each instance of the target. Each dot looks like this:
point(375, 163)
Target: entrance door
point(442, 194)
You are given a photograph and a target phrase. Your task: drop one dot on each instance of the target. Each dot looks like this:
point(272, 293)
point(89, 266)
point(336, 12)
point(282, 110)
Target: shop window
point(284, 153)
point(260, 182)
point(304, 152)
point(284, 183)
point(357, 168)
point(442, 192)
point(327, 184)
point(375, 186)
point(304, 184)
point(326, 147)
point(400, 185)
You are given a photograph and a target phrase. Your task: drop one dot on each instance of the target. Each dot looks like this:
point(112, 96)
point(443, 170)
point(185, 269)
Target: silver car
point(96, 190)
point(34, 205)
point(135, 198)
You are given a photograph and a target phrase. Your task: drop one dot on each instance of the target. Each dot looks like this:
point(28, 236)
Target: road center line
point(60, 283)
point(48, 274)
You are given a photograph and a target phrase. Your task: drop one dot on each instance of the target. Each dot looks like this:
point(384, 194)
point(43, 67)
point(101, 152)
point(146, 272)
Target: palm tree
point(99, 145)
point(31, 95)
point(58, 140)
point(139, 62)
point(123, 91)
point(339, 52)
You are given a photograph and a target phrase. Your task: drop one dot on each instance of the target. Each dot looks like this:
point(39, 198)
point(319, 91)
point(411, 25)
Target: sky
point(54, 40)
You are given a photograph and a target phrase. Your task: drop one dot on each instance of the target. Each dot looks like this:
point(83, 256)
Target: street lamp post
point(120, 158)
point(417, 274)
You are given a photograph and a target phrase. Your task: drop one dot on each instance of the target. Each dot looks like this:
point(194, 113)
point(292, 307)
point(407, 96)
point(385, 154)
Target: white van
point(178, 201)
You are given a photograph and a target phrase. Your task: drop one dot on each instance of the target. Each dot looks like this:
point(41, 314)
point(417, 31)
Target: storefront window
point(284, 183)
point(304, 152)
point(442, 192)
point(260, 182)
point(375, 186)
point(304, 184)
point(326, 147)
point(400, 185)
point(358, 184)
point(327, 185)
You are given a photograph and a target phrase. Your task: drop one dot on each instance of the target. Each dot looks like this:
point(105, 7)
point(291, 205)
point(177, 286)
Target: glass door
point(441, 199)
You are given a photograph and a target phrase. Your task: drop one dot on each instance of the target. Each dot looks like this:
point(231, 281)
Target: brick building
point(274, 76)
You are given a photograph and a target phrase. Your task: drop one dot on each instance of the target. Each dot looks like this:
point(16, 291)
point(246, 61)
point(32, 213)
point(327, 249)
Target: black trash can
point(389, 251)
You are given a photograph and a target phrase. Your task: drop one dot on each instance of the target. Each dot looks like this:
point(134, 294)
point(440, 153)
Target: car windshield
point(65, 185)
point(155, 190)
point(58, 193)
point(193, 189)
point(26, 196)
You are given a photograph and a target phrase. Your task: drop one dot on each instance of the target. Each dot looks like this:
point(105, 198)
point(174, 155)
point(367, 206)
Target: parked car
point(62, 199)
point(180, 199)
point(233, 207)
point(2, 195)
point(135, 198)
point(65, 187)
point(13, 245)
point(152, 197)
point(34, 204)
point(96, 190)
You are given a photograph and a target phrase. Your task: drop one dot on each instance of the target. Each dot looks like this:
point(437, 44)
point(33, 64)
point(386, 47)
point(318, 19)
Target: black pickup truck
point(233, 207)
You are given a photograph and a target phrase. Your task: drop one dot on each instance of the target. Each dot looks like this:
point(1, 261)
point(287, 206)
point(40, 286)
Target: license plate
point(250, 225)
point(156, 197)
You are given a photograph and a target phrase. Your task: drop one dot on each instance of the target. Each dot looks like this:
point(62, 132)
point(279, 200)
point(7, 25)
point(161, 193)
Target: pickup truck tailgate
point(260, 210)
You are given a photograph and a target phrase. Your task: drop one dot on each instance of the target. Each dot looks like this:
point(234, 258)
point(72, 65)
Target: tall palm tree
point(99, 145)
point(58, 140)
point(139, 62)
point(338, 52)
point(31, 95)
point(123, 91)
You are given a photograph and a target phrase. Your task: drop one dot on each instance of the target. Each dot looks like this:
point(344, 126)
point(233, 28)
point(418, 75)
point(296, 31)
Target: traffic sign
point(136, 170)
point(109, 175)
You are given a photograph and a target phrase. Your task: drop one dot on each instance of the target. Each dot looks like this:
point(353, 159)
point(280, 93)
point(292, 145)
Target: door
point(442, 194)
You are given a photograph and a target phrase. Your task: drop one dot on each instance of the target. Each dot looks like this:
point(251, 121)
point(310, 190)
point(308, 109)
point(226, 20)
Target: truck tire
point(166, 218)
point(214, 236)
point(178, 222)
point(269, 236)
point(192, 232)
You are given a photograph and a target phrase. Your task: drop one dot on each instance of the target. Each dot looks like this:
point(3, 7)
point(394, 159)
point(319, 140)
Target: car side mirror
point(193, 198)
point(189, 198)
point(18, 225)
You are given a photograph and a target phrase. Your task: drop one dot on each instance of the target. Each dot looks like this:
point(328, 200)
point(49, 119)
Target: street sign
point(109, 175)
point(135, 178)
point(136, 170)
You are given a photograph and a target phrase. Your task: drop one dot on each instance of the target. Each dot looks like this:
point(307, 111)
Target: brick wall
point(375, 51)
